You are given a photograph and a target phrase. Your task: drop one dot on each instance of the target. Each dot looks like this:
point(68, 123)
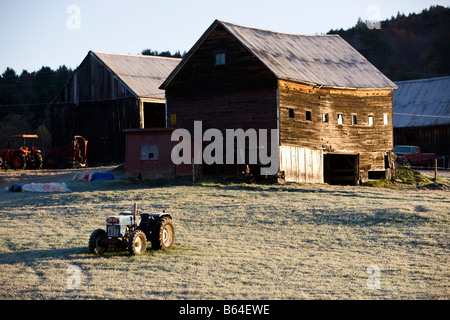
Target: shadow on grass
point(380, 217)
point(30, 257)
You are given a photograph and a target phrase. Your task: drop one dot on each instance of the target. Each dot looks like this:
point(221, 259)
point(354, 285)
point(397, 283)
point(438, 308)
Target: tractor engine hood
point(123, 219)
point(116, 226)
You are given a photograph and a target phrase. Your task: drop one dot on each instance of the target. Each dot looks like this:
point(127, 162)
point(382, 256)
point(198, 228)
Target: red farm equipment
point(69, 156)
point(23, 156)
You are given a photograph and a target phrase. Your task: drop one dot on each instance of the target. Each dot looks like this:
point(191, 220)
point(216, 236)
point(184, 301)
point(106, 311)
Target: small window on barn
point(340, 118)
point(149, 152)
point(370, 120)
point(308, 116)
point(354, 119)
point(291, 113)
point(385, 119)
point(324, 117)
point(220, 59)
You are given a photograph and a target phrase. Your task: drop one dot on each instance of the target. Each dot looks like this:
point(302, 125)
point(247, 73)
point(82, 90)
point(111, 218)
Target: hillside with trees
point(406, 47)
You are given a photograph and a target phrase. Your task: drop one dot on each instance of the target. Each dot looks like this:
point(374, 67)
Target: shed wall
point(139, 166)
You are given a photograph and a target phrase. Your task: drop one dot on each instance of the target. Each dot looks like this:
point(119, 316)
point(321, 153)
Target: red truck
point(412, 155)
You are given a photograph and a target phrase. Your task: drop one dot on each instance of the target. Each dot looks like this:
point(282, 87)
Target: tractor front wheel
point(97, 244)
point(137, 243)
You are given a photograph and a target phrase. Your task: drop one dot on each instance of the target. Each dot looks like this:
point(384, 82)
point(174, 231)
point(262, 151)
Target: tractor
point(23, 156)
point(132, 231)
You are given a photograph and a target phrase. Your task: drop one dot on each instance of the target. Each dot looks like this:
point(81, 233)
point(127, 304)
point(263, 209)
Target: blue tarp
point(100, 176)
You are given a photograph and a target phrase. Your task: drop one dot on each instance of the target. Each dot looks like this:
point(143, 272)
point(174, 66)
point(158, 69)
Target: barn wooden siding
point(240, 94)
point(301, 164)
point(371, 142)
point(106, 140)
point(97, 106)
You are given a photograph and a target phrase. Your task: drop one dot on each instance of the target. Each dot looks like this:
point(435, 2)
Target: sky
point(36, 33)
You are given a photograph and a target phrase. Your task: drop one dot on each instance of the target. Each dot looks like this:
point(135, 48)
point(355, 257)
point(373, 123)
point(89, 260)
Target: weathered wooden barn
point(333, 109)
point(422, 115)
point(106, 94)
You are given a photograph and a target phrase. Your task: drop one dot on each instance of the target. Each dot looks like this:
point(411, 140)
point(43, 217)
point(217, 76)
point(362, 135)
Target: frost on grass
point(233, 241)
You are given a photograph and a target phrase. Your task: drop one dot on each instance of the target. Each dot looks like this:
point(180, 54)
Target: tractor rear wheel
point(38, 161)
point(96, 242)
point(163, 234)
point(137, 243)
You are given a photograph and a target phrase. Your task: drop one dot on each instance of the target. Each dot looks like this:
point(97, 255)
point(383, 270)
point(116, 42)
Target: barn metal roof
point(424, 102)
point(326, 60)
point(142, 74)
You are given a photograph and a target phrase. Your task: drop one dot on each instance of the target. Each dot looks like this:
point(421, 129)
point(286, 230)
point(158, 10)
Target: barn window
point(385, 119)
point(340, 118)
point(354, 119)
point(370, 120)
point(325, 117)
point(308, 116)
point(220, 59)
point(291, 113)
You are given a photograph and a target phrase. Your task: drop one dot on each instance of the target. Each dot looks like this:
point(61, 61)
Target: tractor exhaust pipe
point(134, 213)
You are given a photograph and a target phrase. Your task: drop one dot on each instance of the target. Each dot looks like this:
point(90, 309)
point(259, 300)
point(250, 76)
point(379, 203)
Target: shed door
point(154, 115)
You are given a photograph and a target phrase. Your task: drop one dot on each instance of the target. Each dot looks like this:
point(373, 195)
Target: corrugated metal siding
point(142, 74)
point(301, 164)
point(419, 103)
point(320, 59)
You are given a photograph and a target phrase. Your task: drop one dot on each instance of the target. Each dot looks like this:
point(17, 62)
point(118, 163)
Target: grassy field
point(233, 241)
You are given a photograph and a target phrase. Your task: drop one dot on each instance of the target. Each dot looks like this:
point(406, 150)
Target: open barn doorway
point(341, 169)
point(154, 115)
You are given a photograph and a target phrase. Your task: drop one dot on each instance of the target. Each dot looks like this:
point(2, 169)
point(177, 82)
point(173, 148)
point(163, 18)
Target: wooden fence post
point(435, 169)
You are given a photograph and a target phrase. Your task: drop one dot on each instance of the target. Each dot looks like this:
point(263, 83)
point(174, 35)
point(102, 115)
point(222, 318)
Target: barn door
point(342, 169)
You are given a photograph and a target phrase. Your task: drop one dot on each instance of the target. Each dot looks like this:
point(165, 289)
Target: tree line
point(405, 47)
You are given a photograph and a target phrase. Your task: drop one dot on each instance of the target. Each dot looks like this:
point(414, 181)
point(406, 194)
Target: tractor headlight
point(112, 220)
